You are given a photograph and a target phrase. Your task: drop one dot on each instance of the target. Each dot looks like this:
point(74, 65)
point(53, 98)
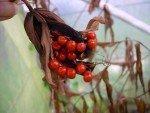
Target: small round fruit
point(91, 35)
point(71, 73)
point(61, 56)
point(87, 76)
point(64, 50)
point(71, 46)
point(54, 64)
point(81, 47)
point(55, 45)
point(62, 70)
point(80, 68)
point(62, 40)
point(91, 43)
point(71, 55)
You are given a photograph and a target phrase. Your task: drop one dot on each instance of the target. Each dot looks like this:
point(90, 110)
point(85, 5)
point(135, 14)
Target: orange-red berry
point(91, 35)
point(71, 73)
point(54, 64)
point(81, 47)
point(80, 68)
point(55, 45)
point(62, 70)
point(71, 55)
point(61, 56)
point(71, 46)
point(91, 43)
point(87, 76)
point(62, 40)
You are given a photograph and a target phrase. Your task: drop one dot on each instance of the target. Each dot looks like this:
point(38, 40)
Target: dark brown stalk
point(28, 5)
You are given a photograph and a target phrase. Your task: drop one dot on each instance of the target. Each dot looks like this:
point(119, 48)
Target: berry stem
point(28, 5)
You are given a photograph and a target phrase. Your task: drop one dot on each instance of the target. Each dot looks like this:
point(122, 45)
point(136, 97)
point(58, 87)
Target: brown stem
point(28, 5)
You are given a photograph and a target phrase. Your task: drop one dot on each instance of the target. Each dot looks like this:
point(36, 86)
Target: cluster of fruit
point(64, 50)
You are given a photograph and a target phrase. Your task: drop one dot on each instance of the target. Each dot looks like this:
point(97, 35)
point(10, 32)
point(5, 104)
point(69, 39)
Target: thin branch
point(79, 16)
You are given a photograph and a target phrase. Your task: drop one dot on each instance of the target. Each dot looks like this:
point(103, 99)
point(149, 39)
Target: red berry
point(81, 47)
point(91, 35)
point(64, 50)
point(87, 76)
point(62, 40)
point(91, 43)
point(71, 73)
point(71, 55)
point(62, 70)
point(80, 68)
point(54, 64)
point(55, 45)
point(61, 56)
point(71, 45)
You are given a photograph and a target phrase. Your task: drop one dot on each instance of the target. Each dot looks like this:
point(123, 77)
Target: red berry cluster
point(65, 49)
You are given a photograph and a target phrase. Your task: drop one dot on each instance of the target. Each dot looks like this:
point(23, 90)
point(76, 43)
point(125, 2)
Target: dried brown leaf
point(48, 14)
point(85, 106)
point(139, 70)
point(93, 97)
point(93, 5)
point(109, 93)
point(40, 41)
point(108, 23)
point(129, 58)
point(105, 76)
point(94, 23)
point(33, 36)
point(141, 105)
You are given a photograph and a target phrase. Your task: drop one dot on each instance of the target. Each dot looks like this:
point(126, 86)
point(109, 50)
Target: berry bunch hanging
point(61, 48)
point(68, 54)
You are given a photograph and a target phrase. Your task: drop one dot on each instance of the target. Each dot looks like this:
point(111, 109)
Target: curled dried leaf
point(94, 23)
point(38, 25)
point(139, 70)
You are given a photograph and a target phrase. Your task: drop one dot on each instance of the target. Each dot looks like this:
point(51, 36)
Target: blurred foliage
point(21, 87)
